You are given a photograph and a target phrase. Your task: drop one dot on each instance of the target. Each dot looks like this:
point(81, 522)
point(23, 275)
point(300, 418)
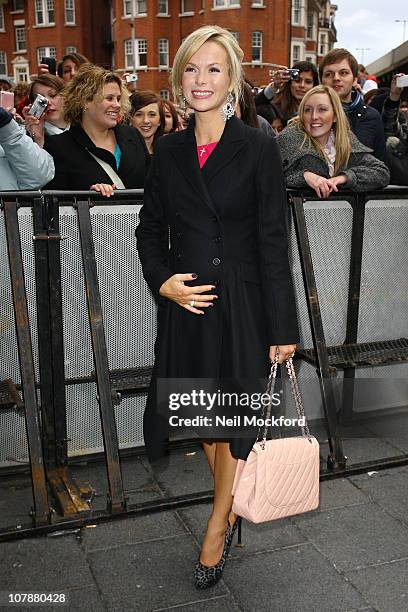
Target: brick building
point(269, 31)
point(31, 29)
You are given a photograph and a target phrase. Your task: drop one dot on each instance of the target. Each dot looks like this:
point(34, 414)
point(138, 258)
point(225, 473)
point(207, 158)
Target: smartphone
point(6, 99)
point(402, 81)
point(51, 63)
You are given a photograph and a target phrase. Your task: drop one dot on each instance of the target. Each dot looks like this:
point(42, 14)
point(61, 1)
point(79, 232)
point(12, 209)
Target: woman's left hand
point(284, 350)
point(104, 189)
point(338, 180)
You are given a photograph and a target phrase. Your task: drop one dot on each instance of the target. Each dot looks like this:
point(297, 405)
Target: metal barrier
point(44, 401)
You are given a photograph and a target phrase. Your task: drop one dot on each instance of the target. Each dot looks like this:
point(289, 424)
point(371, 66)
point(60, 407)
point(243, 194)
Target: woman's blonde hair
point(192, 44)
point(341, 127)
point(87, 84)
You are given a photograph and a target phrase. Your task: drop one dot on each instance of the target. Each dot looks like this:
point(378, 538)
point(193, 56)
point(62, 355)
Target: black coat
point(366, 124)
point(76, 169)
point(228, 225)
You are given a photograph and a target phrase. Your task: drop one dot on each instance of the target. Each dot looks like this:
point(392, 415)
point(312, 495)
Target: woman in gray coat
point(320, 151)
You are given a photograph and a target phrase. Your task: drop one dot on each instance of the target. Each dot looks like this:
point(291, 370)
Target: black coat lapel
point(185, 153)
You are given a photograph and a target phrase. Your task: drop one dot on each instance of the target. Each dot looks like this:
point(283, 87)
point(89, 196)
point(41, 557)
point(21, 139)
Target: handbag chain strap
point(296, 395)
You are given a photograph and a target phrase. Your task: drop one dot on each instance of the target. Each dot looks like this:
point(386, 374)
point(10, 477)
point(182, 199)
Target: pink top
point(204, 152)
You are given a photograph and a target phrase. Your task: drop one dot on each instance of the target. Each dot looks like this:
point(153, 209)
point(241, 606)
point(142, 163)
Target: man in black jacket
point(339, 69)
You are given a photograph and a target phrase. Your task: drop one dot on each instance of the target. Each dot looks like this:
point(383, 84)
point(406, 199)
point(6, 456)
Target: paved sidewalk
point(351, 554)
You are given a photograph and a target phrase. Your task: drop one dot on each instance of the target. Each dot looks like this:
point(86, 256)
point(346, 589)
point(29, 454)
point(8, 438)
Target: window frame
point(73, 10)
point(166, 52)
point(225, 4)
point(20, 28)
point(134, 4)
point(2, 22)
point(139, 42)
point(47, 6)
point(48, 52)
point(159, 12)
point(3, 55)
point(256, 46)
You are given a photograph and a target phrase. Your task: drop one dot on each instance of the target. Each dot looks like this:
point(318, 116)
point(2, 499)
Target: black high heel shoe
point(206, 576)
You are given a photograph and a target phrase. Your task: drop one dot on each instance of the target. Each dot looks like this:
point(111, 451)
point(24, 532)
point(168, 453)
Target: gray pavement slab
point(262, 537)
point(224, 603)
point(131, 531)
point(384, 586)
point(355, 536)
point(393, 428)
point(149, 575)
point(297, 579)
point(49, 564)
point(363, 449)
point(16, 500)
point(389, 489)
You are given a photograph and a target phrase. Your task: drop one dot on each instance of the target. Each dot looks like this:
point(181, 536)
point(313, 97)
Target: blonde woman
point(226, 304)
point(320, 151)
point(97, 150)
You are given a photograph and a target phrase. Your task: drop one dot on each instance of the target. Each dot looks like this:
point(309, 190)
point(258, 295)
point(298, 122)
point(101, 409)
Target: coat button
point(216, 261)
point(217, 239)
point(178, 234)
point(358, 114)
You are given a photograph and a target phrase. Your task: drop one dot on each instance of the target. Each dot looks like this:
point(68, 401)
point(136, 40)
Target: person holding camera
point(97, 152)
point(320, 151)
point(23, 164)
point(45, 92)
point(396, 132)
point(287, 88)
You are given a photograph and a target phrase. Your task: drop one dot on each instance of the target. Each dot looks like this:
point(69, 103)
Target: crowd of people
point(98, 132)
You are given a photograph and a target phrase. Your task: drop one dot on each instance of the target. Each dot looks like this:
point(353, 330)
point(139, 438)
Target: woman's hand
point(34, 126)
point(104, 189)
point(338, 180)
point(395, 93)
point(322, 186)
point(284, 352)
point(190, 298)
point(279, 77)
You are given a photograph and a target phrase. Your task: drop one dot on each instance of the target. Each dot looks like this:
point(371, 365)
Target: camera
point(38, 106)
point(293, 73)
point(402, 81)
point(131, 78)
point(51, 63)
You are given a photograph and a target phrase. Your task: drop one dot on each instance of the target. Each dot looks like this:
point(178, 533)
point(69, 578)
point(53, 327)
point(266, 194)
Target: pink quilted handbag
point(280, 477)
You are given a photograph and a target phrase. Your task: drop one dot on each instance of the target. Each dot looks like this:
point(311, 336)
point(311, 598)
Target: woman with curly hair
point(97, 152)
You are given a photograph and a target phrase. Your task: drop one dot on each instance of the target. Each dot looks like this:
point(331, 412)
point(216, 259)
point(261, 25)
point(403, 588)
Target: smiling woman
point(97, 152)
point(147, 116)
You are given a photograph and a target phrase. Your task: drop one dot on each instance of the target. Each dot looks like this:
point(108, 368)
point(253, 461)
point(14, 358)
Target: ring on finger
point(192, 303)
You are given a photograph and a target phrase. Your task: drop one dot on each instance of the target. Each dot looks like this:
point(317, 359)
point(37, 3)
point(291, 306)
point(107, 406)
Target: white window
point(1, 17)
point(256, 46)
point(70, 11)
point(226, 3)
point(323, 44)
point(44, 12)
point(141, 53)
point(165, 94)
point(311, 26)
point(21, 43)
point(139, 7)
point(69, 50)
point(237, 36)
point(46, 52)
point(187, 6)
point(163, 7)
point(297, 12)
point(21, 73)
point(296, 54)
point(257, 3)
point(3, 63)
point(163, 52)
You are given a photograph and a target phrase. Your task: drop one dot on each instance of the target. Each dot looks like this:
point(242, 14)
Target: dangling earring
point(184, 106)
point(227, 111)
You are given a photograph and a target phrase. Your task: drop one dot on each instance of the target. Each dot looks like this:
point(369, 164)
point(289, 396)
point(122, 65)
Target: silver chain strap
point(296, 395)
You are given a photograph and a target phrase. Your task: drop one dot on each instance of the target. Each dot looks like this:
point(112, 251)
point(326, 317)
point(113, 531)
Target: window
point(226, 3)
point(297, 12)
point(322, 44)
point(70, 11)
point(163, 52)
point(257, 3)
point(163, 7)
point(69, 50)
point(18, 5)
point(187, 6)
point(3, 63)
point(139, 7)
point(237, 36)
point(44, 12)
point(21, 44)
point(296, 54)
point(1, 17)
point(165, 94)
point(310, 26)
point(46, 52)
point(256, 46)
point(21, 73)
point(141, 53)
